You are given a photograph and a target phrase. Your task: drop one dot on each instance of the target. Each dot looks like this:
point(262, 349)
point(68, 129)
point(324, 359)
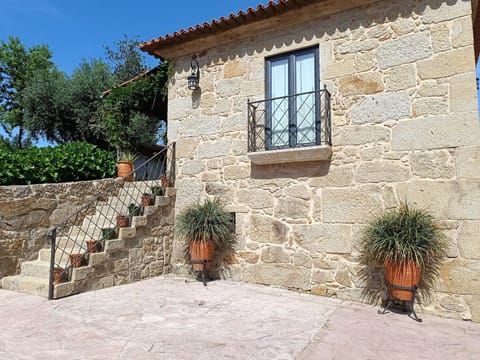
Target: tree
point(18, 67)
point(125, 59)
point(64, 109)
point(133, 113)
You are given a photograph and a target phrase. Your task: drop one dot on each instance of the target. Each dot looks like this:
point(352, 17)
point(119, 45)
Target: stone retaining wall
point(405, 127)
point(27, 211)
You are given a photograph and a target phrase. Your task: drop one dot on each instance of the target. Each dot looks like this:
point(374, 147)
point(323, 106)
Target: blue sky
point(76, 30)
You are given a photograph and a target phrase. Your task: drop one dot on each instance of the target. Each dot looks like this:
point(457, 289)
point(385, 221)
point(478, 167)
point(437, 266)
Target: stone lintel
point(283, 156)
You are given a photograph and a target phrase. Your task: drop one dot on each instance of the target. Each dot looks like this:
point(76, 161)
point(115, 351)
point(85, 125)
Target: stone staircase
point(114, 264)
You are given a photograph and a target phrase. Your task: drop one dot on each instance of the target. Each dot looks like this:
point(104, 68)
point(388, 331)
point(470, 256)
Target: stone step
point(62, 258)
point(26, 284)
point(37, 268)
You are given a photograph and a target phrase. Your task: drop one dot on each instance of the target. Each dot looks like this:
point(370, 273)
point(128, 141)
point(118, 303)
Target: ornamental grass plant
point(402, 235)
point(206, 221)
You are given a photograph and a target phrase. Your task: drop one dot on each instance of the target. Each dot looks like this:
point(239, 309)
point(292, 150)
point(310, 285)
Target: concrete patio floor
point(177, 318)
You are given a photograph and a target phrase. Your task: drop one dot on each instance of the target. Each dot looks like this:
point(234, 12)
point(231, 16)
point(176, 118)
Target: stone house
point(313, 116)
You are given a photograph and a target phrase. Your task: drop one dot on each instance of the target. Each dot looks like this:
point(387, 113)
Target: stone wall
point(27, 211)
point(405, 127)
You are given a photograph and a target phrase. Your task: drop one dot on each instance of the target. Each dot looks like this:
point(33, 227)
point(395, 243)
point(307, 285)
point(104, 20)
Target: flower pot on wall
point(76, 260)
point(148, 200)
point(122, 221)
point(92, 246)
point(58, 275)
point(125, 170)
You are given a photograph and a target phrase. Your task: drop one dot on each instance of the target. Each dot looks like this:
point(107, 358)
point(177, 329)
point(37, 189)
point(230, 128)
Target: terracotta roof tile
point(272, 8)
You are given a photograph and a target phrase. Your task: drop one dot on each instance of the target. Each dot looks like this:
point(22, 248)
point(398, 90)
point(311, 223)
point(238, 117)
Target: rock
point(463, 93)
point(382, 171)
point(401, 78)
point(237, 172)
point(467, 162)
point(360, 135)
point(447, 64)
point(292, 208)
point(323, 238)
point(222, 192)
point(185, 148)
point(435, 132)
point(198, 126)
point(445, 11)
point(380, 108)
point(468, 240)
point(255, 198)
point(432, 165)
point(351, 205)
point(234, 69)
point(212, 149)
point(275, 254)
point(429, 106)
point(265, 229)
point(285, 275)
point(404, 50)
point(192, 167)
point(361, 84)
point(449, 199)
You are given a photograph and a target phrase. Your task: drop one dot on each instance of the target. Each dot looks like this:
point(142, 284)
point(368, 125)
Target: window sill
point(285, 156)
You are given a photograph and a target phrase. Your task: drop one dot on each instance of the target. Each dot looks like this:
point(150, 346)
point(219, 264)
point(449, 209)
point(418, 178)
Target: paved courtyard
point(176, 318)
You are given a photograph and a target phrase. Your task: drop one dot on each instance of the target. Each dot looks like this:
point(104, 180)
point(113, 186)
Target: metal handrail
point(262, 113)
point(92, 219)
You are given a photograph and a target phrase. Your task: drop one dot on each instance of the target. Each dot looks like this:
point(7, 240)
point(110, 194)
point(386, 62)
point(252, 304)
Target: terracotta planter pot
point(76, 260)
point(406, 274)
point(92, 246)
point(58, 275)
point(122, 221)
point(125, 170)
point(148, 200)
point(202, 252)
point(165, 181)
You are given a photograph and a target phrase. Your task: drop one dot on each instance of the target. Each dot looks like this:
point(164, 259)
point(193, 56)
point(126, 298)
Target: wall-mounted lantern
point(194, 78)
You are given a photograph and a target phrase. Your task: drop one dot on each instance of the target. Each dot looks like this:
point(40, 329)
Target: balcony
point(288, 129)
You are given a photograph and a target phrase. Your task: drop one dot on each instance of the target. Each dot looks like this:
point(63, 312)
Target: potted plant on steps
point(148, 199)
point(122, 221)
point(410, 247)
point(204, 227)
point(125, 165)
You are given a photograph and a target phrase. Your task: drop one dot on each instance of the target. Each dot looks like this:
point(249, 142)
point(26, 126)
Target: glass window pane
point(305, 104)
point(279, 108)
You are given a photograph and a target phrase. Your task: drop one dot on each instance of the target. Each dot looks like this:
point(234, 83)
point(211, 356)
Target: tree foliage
point(64, 109)
point(130, 112)
point(18, 67)
point(125, 59)
point(37, 97)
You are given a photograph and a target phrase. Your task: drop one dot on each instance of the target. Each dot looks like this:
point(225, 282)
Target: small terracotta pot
point(406, 274)
point(122, 221)
point(148, 200)
point(165, 181)
point(58, 275)
point(92, 246)
point(125, 170)
point(76, 260)
point(201, 252)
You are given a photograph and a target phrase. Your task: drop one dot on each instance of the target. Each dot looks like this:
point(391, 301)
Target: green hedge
point(74, 161)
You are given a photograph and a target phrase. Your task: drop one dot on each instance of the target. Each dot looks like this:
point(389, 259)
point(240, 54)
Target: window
point(292, 111)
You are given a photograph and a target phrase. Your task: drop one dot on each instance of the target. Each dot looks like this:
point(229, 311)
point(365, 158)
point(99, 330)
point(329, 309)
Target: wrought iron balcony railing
point(292, 121)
